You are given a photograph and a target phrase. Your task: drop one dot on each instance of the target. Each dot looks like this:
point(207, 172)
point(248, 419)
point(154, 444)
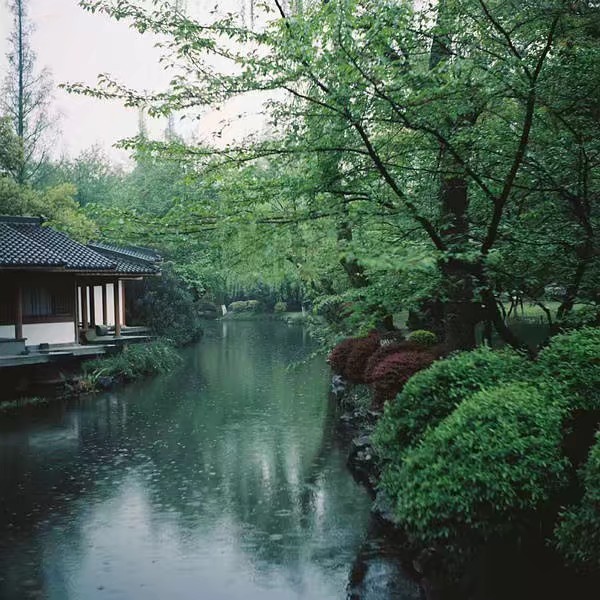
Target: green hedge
point(423, 337)
point(431, 395)
point(494, 461)
point(573, 360)
point(577, 535)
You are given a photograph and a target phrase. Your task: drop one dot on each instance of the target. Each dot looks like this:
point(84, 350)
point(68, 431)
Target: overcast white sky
point(76, 46)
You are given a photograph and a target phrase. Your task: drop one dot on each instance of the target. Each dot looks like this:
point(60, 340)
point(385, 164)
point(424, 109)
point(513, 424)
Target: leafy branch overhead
point(466, 126)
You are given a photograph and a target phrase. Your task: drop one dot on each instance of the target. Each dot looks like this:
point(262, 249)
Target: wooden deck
point(57, 353)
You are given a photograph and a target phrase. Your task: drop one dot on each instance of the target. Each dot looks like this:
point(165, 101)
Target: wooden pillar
point(104, 306)
point(76, 313)
point(18, 312)
point(92, 306)
point(123, 301)
point(117, 302)
point(84, 308)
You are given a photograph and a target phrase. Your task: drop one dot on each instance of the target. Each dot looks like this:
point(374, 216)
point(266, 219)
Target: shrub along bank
point(486, 445)
point(133, 362)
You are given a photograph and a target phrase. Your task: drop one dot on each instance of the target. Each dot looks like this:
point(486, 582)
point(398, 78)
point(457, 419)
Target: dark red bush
point(339, 355)
point(361, 351)
point(386, 350)
point(394, 370)
point(349, 358)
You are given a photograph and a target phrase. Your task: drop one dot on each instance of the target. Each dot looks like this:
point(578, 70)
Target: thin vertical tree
point(27, 94)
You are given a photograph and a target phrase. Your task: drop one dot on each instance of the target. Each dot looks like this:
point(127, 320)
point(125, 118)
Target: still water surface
point(220, 481)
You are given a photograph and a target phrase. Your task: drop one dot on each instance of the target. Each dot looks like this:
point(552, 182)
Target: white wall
point(122, 297)
point(98, 304)
point(110, 303)
point(7, 331)
point(50, 333)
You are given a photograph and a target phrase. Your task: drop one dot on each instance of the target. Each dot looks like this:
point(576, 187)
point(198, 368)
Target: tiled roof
point(135, 252)
point(132, 268)
point(76, 256)
point(130, 259)
point(18, 250)
point(24, 243)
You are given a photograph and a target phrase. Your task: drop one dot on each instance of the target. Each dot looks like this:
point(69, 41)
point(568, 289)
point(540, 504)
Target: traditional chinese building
point(55, 291)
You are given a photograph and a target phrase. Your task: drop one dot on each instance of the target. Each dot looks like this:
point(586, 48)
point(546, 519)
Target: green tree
point(27, 93)
point(11, 151)
point(444, 121)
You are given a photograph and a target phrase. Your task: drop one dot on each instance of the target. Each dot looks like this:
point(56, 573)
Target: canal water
point(224, 480)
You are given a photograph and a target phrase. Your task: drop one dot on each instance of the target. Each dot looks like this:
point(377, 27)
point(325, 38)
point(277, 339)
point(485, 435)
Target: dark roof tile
point(135, 252)
point(24, 242)
point(18, 250)
point(76, 256)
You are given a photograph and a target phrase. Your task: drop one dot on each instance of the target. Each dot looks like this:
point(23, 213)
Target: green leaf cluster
point(573, 361)
point(487, 467)
point(431, 395)
point(577, 535)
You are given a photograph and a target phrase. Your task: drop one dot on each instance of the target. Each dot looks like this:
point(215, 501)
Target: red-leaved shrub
point(339, 355)
point(394, 370)
point(361, 351)
point(386, 350)
point(349, 358)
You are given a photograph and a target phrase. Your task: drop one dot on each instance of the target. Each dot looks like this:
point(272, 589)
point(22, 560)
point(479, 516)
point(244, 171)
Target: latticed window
point(7, 307)
point(41, 303)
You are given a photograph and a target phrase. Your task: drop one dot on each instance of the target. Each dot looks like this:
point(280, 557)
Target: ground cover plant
point(133, 362)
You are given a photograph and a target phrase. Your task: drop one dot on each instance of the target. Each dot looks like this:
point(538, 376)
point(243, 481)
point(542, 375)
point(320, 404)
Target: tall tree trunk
point(355, 271)
point(21, 86)
point(461, 313)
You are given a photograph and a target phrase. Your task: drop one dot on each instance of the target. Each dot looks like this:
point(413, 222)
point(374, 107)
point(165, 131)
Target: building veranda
point(59, 297)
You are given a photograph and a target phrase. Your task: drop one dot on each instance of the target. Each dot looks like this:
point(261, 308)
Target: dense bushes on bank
point(485, 469)
point(434, 393)
point(133, 362)
point(384, 362)
point(480, 445)
point(167, 306)
point(475, 446)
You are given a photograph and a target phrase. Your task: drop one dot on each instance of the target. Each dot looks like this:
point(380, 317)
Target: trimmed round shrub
point(377, 357)
point(280, 307)
point(393, 371)
point(244, 306)
point(423, 337)
point(434, 393)
point(238, 306)
point(484, 470)
point(577, 535)
point(253, 305)
point(573, 360)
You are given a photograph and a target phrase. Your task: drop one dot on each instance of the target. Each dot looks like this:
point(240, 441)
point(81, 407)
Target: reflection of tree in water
point(232, 443)
point(47, 464)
